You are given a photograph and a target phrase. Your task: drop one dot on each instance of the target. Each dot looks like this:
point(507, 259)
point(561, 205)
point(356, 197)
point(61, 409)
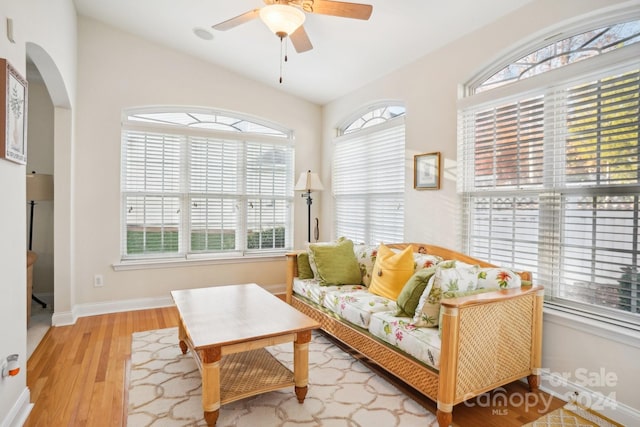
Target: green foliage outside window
point(144, 242)
point(201, 241)
point(270, 238)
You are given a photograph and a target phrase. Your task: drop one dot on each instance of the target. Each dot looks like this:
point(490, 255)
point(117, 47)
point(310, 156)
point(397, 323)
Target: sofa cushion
point(304, 268)
point(358, 306)
point(491, 278)
point(412, 291)
point(449, 276)
point(314, 291)
point(335, 263)
point(422, 343)
point(425, 260)
point(366, 257)
point(391, 271)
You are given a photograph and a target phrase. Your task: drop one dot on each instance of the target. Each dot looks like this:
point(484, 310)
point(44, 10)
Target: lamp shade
point(282, 19)
point(309, 181)
point(39, 187)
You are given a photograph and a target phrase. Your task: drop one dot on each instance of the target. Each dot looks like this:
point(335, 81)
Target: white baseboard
point(63, 318)
point(20, 410)
point(606, 405)
point(93, 309)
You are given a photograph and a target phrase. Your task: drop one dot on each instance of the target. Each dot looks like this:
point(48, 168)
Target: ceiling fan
point(285, 17)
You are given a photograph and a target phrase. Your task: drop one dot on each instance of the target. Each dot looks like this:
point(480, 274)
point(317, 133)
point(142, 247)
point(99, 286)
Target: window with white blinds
point(200, 182)
point(550, 182)
point(368, 177)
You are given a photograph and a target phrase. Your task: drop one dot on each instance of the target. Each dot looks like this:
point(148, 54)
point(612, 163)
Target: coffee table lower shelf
point(250, 373)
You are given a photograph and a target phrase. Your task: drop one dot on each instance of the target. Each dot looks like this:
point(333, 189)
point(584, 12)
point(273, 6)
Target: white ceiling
point(347, 53)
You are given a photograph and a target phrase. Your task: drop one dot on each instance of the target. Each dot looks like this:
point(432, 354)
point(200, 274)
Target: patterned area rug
point(165, 390)
point(572, 415)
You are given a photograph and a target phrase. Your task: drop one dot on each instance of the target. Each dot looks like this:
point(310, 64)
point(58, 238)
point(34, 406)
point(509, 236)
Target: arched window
point(564, 52)
point(549, 170)
point(368, 176)
point(198, 181)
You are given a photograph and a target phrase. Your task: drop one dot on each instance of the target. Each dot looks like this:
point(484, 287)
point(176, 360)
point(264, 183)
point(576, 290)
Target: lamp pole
point(309, 201)
point(307, 183)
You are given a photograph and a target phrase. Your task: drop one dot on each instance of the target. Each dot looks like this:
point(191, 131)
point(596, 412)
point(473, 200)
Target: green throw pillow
point(304, 269)
point(336, 263)
point(410, 295)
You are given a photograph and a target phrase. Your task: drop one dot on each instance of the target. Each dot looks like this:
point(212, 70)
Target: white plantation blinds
point(368, 183)
point(152, 191)
point(550, 183)
point(225, 189)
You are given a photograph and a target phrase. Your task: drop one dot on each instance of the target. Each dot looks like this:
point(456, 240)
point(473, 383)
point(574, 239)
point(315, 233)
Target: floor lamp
point(39, 189)
point(308, 182)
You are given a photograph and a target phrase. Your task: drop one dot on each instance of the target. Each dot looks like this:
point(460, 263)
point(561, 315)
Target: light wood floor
point(77, 376)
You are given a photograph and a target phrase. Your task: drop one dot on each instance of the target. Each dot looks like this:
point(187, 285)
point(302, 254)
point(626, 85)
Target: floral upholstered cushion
point(425, 260)
point(366, 257)
point(449, 276)
point(358, 306)
point(422, 343)
point(314, 291)
point(491, 278)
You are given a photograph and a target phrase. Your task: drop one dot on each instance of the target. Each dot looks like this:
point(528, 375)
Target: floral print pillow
point(450, 276)
point(494, 278)
point(366, 256)
point(425, 260)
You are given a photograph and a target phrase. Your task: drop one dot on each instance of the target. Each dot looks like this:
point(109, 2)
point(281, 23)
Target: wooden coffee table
point(227, 329)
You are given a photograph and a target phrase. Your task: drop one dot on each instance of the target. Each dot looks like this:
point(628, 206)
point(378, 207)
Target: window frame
point(614, 62)
point(374, 120)
point(185, 254)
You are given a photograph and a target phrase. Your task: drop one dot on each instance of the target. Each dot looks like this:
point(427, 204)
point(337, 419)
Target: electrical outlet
point(98, 281)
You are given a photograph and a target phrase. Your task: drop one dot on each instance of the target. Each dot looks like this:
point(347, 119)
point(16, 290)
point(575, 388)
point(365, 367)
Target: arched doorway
point(58, 266)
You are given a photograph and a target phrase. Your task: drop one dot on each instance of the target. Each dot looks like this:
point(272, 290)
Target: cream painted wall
point(50, 25)
point(429, 89)
point(117, 70)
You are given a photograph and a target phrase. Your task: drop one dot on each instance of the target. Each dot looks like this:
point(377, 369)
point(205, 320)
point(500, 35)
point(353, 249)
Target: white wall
point(50, 25)
point(429, 89)
point(117, 70)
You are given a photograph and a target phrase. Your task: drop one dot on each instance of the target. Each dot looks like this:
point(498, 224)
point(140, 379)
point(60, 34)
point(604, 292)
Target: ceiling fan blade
point(234, 22)
point(300, 40)
point(339, 8)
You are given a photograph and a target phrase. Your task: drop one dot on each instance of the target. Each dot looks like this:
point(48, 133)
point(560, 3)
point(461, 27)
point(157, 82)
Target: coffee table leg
point(301, 364)
point(182, 338)
point(211, 384)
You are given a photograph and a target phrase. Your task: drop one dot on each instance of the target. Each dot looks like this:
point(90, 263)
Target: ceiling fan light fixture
point(282, 19)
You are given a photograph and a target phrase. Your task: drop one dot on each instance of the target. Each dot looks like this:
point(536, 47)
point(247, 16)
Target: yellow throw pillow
point(391, 271)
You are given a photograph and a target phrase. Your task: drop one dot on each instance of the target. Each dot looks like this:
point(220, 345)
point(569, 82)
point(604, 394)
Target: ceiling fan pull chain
point(285, 51)
point(280, 59)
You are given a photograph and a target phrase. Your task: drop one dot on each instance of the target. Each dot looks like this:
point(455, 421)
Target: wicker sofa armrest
point(292, 271)
point(489, 340)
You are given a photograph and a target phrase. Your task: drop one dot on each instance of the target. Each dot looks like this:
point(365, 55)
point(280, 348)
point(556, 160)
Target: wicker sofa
point(476, 355)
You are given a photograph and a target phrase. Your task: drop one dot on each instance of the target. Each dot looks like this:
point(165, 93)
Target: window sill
point(144, 264)
point(571, 318)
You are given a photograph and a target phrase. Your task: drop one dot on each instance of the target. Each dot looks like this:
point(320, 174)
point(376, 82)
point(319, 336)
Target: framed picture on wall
point(13, 106)
point(426, 171)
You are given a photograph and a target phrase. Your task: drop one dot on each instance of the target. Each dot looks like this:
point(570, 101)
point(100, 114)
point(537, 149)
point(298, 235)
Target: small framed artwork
point(13, 108)
point(426, 171)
